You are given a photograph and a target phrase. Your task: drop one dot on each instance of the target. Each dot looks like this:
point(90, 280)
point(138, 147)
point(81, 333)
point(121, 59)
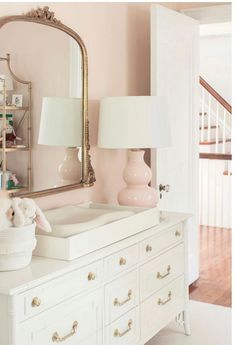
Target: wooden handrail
point(216, 95)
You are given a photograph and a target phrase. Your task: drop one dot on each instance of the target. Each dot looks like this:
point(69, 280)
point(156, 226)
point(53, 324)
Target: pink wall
point(117, 39)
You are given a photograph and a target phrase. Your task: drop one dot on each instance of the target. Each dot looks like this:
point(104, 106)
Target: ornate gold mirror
point(44, 128)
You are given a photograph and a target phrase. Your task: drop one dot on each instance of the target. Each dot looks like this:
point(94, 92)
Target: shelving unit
point(14, 149)
point(23, 114)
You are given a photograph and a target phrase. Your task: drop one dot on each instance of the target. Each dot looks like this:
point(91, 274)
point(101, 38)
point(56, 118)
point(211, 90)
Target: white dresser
point(122, 294)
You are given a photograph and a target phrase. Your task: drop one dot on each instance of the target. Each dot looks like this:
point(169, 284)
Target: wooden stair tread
point(206, 127)
point(220, 156)
point(227, 173)
point(214, 142)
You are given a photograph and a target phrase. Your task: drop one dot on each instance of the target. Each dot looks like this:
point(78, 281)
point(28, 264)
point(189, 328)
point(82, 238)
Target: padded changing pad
point(70, 220)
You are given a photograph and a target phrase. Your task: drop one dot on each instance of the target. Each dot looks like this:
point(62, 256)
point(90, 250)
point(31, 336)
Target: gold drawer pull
point(57, 339)
point(177, 233)
point(148, 248)
point(122, 261)
point(91, 276)
point(119, 334)
point(36, 302)
point(160, 302)
point(119, 304)
point(161, 276)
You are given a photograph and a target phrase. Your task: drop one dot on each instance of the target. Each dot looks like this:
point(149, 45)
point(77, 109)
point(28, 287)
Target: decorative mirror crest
point(43, 14)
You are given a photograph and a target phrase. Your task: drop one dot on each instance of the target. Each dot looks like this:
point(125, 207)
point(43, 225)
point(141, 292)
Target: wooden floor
point(214, 284)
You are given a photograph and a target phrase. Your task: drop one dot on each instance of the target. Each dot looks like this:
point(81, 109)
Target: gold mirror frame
point(46, 17)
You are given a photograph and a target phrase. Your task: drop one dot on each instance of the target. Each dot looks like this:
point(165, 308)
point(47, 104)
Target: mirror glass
point(52, 61)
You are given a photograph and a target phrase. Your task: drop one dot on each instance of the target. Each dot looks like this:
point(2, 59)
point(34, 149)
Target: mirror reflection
point(44, 116)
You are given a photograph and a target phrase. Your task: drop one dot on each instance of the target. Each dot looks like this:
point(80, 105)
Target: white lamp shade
point(8, 82)
point(133, 122)
point(61, 122)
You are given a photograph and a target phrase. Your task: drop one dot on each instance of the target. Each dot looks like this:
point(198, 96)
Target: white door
point(175, 76)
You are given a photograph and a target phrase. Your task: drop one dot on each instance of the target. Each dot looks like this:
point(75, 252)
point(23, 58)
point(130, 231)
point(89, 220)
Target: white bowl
point(16, 246)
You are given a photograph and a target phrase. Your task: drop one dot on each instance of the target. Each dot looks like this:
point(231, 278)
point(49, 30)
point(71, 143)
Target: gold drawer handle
point(161, 276)
point(148, 248)
point(118, 334)
point(91, 276)
point(57, 339)
point(122, 261)
point(177, 233)
point(36, 302)
point(119, 304)
point(160, 302)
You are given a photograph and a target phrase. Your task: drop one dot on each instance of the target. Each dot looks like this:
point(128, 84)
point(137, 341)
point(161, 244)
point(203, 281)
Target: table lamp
point(134, 122)
point(61, 125)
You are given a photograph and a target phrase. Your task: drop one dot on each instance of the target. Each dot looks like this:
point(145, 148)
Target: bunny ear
point(41, 220)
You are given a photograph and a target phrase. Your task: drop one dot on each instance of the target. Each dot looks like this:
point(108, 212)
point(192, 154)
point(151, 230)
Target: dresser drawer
point(124, 331)
point(161, 271)
point(158, 310)
point(121, 261)
point(165, 239)
point(48, 295)
point(121, 295)
point(70, 323)
point(96, 339)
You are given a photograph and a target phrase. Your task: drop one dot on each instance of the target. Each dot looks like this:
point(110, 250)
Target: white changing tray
point(81, 229)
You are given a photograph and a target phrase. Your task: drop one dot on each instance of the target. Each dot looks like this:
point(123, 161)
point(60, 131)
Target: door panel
point(175, 77)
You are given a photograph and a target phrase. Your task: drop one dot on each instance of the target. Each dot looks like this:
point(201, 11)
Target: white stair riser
point(213, 121)
point(212, 148)
point(212, 134)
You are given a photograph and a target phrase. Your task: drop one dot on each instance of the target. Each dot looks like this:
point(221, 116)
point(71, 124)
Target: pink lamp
point(134, 122)
point(61, 125)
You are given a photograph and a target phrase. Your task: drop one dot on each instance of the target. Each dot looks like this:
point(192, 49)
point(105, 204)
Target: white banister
point(217, 128)
point(202, 117)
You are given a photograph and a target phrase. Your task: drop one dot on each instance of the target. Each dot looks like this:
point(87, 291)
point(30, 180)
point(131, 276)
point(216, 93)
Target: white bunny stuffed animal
point(5, 213)
point(26, 212)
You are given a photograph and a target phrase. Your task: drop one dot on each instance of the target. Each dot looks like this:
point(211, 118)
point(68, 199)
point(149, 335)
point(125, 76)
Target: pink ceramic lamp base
point(137, 175)
point(70, 169)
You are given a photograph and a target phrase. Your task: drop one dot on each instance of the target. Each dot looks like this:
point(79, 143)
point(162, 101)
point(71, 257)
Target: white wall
point(215, 63)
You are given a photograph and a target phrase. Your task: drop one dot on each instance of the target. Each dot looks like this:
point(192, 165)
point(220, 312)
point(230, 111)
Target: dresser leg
point(186, 322)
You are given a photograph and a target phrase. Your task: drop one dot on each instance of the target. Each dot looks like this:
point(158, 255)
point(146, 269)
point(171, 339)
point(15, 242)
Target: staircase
point(215, 122)
point(215, 118)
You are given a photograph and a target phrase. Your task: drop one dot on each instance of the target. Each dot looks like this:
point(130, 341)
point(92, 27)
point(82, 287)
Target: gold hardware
point(177, 233)
point(148, 248)
point(119, 304)
point(119, 334)
point(122, 261)
point(161, 276)
point(36, 302)
point(160, 302)
point(91, 276)
point(57, 339)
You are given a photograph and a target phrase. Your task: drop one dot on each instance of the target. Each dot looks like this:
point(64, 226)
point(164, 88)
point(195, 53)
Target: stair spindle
point(224, 136)
point(202, 117)
point(217, 128)
point(209, 119)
